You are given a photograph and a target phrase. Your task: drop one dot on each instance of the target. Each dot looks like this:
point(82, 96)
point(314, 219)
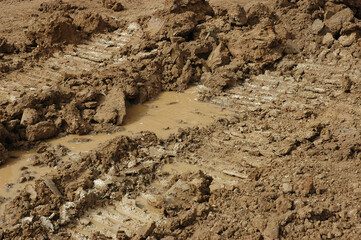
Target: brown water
point(163, 116)
point(11, 172)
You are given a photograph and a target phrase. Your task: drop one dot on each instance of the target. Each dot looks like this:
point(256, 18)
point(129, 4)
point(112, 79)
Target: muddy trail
point(181, 119)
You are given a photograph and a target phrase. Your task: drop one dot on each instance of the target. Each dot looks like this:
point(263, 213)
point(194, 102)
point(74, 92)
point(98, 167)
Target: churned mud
point(153, 115)
point(187, 119)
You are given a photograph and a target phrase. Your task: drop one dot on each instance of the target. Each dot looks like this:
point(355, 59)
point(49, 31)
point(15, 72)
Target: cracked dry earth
point(265, 146)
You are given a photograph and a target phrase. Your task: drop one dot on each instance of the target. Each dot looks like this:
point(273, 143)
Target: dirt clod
point(40, 131)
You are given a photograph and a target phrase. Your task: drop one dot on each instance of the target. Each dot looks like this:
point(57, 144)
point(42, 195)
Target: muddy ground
point(284, 166)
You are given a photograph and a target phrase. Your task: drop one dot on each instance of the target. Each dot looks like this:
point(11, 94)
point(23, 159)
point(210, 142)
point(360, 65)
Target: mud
point(153, 115)
point(283, 165)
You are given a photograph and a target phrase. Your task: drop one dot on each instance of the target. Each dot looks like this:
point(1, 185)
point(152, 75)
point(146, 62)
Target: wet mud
point(152, 116)
point(270, 151)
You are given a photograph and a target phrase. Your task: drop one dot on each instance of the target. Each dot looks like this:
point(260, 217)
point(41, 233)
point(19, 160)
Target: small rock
point(47, 223)
point(87, 95)
point(67, 210)
point(260, 223)
point(219, 57)
point(287, 188)
point(272, 230)
point(317, 26)
point(30, 117)
point(51, 185)
point(27, 220)
point(348, 40)
point(283, 204)
point(328, 39)
point(113, 109)
point(84, 221)
point(292, 47)
point(237, 15)
point(75, 123)
point(307, 187)
point(338, 20)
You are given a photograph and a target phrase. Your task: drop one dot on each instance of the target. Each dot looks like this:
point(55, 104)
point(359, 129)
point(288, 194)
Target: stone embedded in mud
point(30, 117)
point(154, 26)
point(337, 21)
point(287, 188)
point(87, 95)
point(67, 211)
point(317, 26)
point(292, 47)
point(27, 220)
point(259, 12)
point(328, 40)
point(272, 230)
point(47, 224)
point(222, 79)
point(173, 28)
point(283, 204)
point(113, 109)
point(307, 187)
point(41, 130)
point(51, 185)
point(219, 57)
point(237, 15)
point(348, 40)
point(188, 217)
point(74, 120)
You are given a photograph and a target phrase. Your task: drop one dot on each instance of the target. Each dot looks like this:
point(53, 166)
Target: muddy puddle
point(163, 116)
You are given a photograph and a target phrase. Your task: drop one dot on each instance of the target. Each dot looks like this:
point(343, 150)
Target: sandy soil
point(285, 165)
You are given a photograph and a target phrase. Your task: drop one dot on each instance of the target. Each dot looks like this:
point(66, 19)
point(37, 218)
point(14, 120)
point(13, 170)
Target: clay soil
point(284, 165)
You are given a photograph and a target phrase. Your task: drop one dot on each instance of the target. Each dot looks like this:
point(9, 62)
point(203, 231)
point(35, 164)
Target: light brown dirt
point(285, 166)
